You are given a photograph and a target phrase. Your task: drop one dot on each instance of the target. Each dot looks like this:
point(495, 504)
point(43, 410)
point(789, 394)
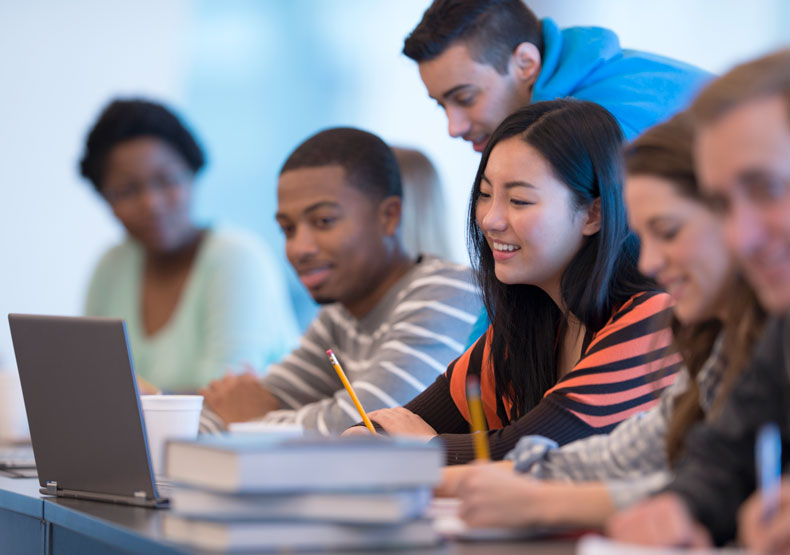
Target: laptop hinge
point(52, 488)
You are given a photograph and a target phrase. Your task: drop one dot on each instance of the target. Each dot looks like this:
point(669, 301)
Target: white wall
point(61, 61)
point(713, 34)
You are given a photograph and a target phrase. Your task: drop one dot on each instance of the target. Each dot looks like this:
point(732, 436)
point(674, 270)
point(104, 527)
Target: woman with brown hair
point(717, 319)
point(423, 222)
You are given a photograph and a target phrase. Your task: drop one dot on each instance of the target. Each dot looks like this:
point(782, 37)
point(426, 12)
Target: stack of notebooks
point(273, 493)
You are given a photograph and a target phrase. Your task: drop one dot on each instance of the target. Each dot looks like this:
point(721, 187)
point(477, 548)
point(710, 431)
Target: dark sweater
point(622, 371)
point(717, 472)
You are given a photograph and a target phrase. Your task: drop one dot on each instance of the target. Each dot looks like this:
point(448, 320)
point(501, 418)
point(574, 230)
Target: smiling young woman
point(579, 339)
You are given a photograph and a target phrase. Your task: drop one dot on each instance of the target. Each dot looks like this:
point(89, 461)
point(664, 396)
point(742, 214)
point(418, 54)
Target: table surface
point(21, 495)
point(140, 529)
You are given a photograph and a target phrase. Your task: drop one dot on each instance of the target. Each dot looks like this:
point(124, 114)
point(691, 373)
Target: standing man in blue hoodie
point(483, 59)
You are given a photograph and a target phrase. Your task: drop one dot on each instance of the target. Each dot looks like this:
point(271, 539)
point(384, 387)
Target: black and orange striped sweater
point(622, 371)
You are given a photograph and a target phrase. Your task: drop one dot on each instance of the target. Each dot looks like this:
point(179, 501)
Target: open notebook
point(444, 512)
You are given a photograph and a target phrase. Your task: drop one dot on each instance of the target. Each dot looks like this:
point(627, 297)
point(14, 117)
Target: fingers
point(776, 538)
point(386, 418)
point(480, 507)
point(701, 538)
point(451, 479)
point(356, 431)
point(217, 391)
point(749, 521)
point(480, 515)
point(765, 537)
point(395, 414)
point(662, 520)
point(147, 388)
point(466, 480)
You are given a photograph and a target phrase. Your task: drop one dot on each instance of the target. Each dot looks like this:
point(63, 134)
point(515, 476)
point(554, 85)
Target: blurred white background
point(253, 78)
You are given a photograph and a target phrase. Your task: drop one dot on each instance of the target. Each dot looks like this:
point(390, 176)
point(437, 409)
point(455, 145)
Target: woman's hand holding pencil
point(403, 422)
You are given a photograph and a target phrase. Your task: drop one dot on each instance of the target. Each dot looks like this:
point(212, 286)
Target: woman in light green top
point(196, 301)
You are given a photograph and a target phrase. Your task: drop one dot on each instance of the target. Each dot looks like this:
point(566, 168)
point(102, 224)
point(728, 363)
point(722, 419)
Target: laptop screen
point(83, 410)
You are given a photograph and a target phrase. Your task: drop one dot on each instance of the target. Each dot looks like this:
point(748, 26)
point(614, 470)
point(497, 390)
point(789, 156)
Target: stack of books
point(273, 493)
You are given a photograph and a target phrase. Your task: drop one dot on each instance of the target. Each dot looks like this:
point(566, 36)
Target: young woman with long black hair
point(579, 339)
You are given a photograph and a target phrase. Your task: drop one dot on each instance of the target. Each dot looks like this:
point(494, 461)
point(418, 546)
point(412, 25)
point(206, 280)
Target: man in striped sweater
point(393, 322)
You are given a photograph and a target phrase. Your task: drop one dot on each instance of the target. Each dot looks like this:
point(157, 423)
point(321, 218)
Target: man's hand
point(147, 388)
point(238, 398)
point(402, 422)
point(763, 535)
point(663, 520)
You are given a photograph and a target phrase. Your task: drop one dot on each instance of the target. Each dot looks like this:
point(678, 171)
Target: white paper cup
point(169, 417)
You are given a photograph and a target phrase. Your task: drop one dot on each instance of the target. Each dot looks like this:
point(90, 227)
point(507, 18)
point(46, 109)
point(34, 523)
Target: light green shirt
point(234, 308)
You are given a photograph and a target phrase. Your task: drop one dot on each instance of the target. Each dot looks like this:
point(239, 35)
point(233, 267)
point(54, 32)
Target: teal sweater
point(234, 308)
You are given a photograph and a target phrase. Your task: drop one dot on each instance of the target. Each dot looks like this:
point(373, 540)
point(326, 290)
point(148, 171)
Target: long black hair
point(581, 141)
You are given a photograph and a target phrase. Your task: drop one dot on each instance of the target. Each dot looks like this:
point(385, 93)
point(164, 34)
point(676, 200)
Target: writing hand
point(662, 520)
point(401, 421)
point(766, 535)
point(239, 398)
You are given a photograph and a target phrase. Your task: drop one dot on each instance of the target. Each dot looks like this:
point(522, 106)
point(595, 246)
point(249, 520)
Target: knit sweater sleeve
point(636, 447)
point(623, 372)
point(716, 472)
point(424, 331)
point(435, 405)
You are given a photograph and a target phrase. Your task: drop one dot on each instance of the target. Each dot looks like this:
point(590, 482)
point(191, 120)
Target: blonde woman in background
point(423, 221)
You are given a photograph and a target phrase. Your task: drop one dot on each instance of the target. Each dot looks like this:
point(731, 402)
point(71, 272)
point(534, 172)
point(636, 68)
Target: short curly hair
point(368, 162)
point(126, 119)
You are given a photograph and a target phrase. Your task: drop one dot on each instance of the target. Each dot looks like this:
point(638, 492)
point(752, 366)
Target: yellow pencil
point(351, 393)
point(478, 419)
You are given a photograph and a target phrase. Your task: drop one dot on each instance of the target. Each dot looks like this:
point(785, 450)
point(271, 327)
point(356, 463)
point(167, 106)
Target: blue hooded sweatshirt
point(638, 88)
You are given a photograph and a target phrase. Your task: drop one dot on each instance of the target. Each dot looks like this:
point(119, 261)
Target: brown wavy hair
point(665, 151)
point(763, 77)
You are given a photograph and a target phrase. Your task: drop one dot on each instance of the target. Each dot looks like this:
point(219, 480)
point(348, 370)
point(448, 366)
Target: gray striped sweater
point(390, 355)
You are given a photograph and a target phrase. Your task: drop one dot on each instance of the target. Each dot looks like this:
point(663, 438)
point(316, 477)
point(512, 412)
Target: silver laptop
point(83, 408)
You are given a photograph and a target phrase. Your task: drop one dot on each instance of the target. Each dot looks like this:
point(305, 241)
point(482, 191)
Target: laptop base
point(140, 501)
